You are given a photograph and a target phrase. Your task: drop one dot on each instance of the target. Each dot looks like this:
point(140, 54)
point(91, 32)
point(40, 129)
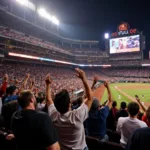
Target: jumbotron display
point(125, 44)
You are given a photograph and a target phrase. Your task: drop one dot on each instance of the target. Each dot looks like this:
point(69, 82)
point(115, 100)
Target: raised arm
point(31, 86)
point(142, 106)
point(94, 82)
point(22, 87)
point(48, 82)
point(81, 74)
point(109, 103)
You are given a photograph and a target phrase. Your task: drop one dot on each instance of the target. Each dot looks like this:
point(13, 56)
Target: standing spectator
point(146, 112)
point(13, 91)
point(3, 90)
point(140, 139)
point(33, 129)
point(69, 123)
point(122, 112)
point(114, 109)
point(111, 120)
point(127, 125)
point(96, 123)
point(4, 85)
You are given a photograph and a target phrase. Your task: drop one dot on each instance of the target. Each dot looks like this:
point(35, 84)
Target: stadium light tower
point(55, 20)
point(106, 35)
point(22, 2)
point(27, 4)
point(42, 12)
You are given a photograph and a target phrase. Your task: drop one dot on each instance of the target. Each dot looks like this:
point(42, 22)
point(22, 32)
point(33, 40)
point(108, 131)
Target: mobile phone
point(99, 83)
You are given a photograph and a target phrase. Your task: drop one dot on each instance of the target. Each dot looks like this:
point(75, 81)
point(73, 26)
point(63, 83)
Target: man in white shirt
point(68, 123)
point(127, 125)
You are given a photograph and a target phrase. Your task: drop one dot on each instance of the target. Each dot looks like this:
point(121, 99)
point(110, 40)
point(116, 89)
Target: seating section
point(96, 144)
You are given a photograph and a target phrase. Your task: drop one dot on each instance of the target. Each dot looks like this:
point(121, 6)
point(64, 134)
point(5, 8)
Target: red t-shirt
point(144, 118)
point(3, 88)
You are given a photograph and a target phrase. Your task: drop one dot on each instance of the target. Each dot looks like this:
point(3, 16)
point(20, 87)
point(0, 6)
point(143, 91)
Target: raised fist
point(48, 79)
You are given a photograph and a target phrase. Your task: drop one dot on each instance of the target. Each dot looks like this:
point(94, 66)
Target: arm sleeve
point(82, 112)
point(52, 112)
point(49, 135)
point(118, 125)
point(105, 111)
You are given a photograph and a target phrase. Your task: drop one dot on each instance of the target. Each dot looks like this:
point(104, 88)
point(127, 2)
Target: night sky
point(90, 19)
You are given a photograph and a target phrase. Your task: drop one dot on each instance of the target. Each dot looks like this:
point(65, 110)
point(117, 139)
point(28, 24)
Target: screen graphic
point(125, 44)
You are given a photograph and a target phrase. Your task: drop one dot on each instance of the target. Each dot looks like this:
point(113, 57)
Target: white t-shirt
point(70, 127)
point(126, 126)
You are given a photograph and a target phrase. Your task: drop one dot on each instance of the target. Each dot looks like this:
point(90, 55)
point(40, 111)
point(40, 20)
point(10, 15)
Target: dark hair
point(11, 89)
point(148, 114)
point(95, 104)
point(62, 101)
point(25, 98)
point(114, 104)
point(7, 111)
point(133, 108)
point(123, 105)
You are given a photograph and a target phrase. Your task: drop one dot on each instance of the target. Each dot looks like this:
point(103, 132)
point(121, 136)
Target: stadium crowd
point(39, 111)
point(53, 107)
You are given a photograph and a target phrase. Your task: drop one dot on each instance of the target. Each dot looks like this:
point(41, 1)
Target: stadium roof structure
point(14, 21)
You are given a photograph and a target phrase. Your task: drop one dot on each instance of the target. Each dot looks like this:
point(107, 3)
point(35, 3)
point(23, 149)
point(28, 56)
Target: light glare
point(27, 4)
point(42, 12)
point(106, 36)
point(55, 20)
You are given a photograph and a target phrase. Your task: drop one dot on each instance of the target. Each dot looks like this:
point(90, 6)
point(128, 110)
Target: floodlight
point(55, 20)
point(26, 3)
point(22, 2)
point(42, 12)
point(106, 35)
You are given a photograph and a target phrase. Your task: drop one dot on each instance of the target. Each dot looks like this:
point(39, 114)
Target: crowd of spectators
point(41, 111)
point(43, 119)
point(81, 55)
point(12, 34)
point(126, 56)
point(136, 72)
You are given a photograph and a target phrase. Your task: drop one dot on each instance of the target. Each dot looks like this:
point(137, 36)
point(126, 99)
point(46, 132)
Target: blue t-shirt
point(10, 98)
point(96, 123)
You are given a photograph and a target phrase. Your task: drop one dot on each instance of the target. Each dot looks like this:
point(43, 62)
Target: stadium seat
point(112, 146)
point(115, 137)
point(92, 143)
point(96, 144)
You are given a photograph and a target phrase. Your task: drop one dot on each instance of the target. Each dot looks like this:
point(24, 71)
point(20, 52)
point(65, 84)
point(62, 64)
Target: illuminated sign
point(55, 61)
point(124, 29)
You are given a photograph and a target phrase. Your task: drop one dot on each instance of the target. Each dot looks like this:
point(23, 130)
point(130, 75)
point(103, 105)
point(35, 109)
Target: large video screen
point(125, 44)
